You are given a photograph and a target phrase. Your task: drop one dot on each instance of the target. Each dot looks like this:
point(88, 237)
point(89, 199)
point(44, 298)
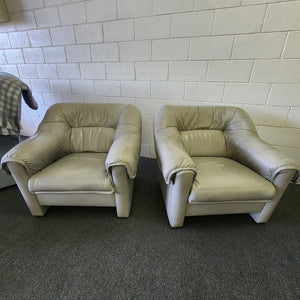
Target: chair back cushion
point(89, 127)
point(203, 129)
point(204, 142)
point(91, 139)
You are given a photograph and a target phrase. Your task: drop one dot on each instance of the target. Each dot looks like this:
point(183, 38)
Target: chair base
point(76, 199)
point(39, 202)
point(222, 208)
point(178, 207)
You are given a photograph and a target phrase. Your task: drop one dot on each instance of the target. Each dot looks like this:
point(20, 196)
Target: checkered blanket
point(11, 89)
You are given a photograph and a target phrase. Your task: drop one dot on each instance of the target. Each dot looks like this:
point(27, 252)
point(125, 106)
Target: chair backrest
point(203, 129)
point(89, 127)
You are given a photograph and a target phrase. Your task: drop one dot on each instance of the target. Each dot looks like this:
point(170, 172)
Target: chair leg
point(281, 182)
point(176, 198)
point(123, 191)
point(21, 178)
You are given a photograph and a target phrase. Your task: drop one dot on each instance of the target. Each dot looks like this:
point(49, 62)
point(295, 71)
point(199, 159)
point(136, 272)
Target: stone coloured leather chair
point(81, 155)
point(213, 162)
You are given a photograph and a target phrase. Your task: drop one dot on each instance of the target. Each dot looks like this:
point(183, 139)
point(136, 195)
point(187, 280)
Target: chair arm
point(250, 150)
point(171, 154)
point(126, 147)
point(35, 153)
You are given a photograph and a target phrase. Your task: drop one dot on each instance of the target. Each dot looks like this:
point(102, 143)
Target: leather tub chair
point(213, 162)
point(81, 155)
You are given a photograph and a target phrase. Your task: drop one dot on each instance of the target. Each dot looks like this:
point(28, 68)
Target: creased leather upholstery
point(91, 139)
point(74, 151)
point(73, 172)
point(231, 165)
point(212, 142)
point(126, 146)
point(223, 179)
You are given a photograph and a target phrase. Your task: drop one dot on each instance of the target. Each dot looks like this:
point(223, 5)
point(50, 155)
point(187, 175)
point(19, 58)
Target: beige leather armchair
point(82, 155)
point(213, 162)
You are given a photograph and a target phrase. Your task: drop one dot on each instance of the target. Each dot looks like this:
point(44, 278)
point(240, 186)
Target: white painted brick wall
point(46, 70)
point(171, 6)
point(2, 57)
point(105, 52)
point(170, 49)
point(285, 95)
point(101, 10)
point(151, 70)
point(12, 69)
point(282, 16)
point(54, 54)
point(134, 8)
point(120, 70)
point(4, 41)
point(204, 91)
point(72, 13)
point(167, 90)
point(153, 27)
point(246, 19)
point(40, 85)
point(192, 24)
point(88, 33)
point(33, 55)
point(7, 27)
point(149, 106)
point(248, 93)
point(264, 115)
point(73, 98)
point(14, 56)
point(51, 98)
point(122, 30)
point(179, 49)
point(92, 70)
point(40, 37)
point(187, 70)
point(276, 71)
point(229, 70)
point(243, 45)
point(27, 71)
point(213, 47)
point(107, 88)
point(60, 86)
point(135, 51)
point(286, 137)
point(293, 119)
point(292, 49)
point(208, 4)
point(69, 71)
point(47, 17)
point(78, 53)
point(82, 87)
point(137, 89)
point(14, 6)
point(55, 2)
point(151, 52)
point(63, 35)
point(18, 39)
point(24, 20)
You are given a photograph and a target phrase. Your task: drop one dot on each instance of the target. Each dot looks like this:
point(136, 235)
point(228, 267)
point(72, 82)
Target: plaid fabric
point(11, 89)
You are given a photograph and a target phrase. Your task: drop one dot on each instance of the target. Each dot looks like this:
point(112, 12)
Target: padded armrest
point(126, 146)
point(253, 152)
point(35, 153)
point(171, 154)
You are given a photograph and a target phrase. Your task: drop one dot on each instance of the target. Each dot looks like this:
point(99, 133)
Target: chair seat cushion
point(73, 172)
point(223, 179)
